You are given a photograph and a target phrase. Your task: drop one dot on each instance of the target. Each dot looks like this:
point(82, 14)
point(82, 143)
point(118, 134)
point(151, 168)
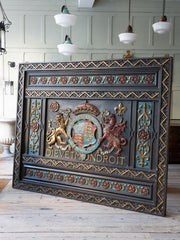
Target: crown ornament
point(86, 108)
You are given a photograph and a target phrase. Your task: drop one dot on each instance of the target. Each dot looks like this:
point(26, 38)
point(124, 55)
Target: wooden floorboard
point(28, 215)
point(3, 183)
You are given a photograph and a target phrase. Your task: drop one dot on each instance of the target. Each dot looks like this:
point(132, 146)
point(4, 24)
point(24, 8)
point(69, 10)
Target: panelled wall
point(33, 37)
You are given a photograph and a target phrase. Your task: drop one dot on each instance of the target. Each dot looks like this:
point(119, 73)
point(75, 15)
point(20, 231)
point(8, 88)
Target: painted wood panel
point(101, 56)
point(53, 57)
point(119, 25)
point(34, 30)
point(144, 37)
point(52, 32)
point(99, 31)
point(177, 31)
point(80, 57)
point(175, 111)
point(80, 32)
point(176, 77)
point(33, 56)
point(15, 36)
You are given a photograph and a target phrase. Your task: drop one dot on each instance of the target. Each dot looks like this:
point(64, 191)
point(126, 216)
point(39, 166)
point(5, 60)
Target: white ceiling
point(85, 3)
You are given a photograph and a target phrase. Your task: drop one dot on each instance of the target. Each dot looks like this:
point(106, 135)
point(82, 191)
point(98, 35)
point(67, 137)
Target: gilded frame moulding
point(158, 94)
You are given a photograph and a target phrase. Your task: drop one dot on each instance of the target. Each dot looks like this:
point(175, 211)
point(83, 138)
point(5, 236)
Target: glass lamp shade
point(67, 48)
point(161, 27)
point(2, 38)
point(9, 88)
point(127, 37)
point(65, 19)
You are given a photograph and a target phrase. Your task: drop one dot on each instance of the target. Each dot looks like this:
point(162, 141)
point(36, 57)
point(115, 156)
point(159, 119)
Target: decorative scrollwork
point(34, 130)
point(144, 119)
point(143, 135)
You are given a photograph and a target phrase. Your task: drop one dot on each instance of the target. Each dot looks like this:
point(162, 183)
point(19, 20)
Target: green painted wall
point(33, 37)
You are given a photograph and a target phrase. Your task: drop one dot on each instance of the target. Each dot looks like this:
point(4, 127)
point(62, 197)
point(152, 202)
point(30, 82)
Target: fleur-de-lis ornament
point(120, 109)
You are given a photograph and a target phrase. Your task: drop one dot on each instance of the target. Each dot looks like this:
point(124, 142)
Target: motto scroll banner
point(95, 131)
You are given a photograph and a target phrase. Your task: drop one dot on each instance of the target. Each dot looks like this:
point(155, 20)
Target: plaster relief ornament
point(84, 130)
point(112, 133)
point(54, 107)
point(55, 134)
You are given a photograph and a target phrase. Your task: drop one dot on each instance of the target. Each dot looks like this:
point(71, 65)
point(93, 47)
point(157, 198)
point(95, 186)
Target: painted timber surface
point(95, 131)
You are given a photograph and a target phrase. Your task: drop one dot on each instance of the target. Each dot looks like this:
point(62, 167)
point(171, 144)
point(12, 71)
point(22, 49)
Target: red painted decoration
point(112, 132)
point(34, 126)
point(143, 135)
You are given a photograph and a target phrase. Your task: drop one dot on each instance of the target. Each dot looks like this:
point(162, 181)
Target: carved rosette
point(70, 179)
point(98, 79)
point(53, 80)
point(149, 79)
point(54, 106)
point(130, 188)
point(105, 184)
point(143, 135)
point(33, 80)
point(81, 180)
point(135, 79)
point(86, 80)
point(94, 79)
point(43, 80)
point(34, 126)
point(74, 80)
point(117, 186)
point(59, 177)
point(110, 79)
point(144, 191)
point(93, 182)
point(64, 80)
point(96, 183)
point(122, 79)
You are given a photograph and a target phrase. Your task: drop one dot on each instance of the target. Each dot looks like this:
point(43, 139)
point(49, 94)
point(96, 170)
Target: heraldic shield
point(84, 133)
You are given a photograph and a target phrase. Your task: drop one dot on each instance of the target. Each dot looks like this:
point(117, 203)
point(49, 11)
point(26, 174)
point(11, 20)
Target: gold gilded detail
point(144, 119)
point(161, 174)
point(143, 150)
point(89, 94)
point(34, 126)
point(144, 122)
point(120, 109)
point(54, 135)
point(128, 55)
point(96, 168)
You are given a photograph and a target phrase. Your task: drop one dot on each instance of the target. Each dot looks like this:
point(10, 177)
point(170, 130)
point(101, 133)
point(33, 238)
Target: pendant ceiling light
point(65, 19)
point(128, 37)
point(4, 25)
point(162, 26)
point(67, 48)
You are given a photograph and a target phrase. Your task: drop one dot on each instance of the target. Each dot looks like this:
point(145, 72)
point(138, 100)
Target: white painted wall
point(34, 35)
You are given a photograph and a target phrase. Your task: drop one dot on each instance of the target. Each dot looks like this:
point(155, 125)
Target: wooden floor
point(25, 215)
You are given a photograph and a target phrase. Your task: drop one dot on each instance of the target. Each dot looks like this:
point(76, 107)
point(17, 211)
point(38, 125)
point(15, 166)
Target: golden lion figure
point(54, 134)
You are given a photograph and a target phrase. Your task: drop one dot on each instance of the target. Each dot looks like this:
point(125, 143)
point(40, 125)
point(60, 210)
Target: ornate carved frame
point(145, 188)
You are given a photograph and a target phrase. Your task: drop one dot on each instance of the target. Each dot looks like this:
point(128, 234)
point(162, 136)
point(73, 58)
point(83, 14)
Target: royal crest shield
point(84, 133)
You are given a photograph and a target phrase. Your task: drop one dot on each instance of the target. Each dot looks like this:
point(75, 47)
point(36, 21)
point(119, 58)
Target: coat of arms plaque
point(95, 131)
